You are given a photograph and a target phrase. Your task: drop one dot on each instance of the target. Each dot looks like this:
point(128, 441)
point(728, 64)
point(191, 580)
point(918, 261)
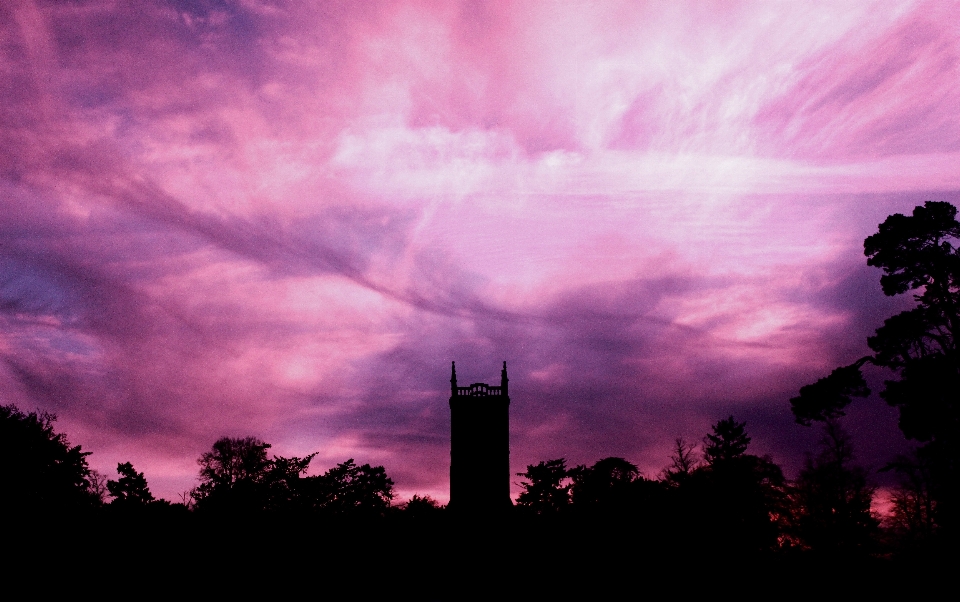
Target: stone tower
point(479, 446)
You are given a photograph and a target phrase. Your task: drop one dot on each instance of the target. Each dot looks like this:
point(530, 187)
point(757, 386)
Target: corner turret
point(504, 379)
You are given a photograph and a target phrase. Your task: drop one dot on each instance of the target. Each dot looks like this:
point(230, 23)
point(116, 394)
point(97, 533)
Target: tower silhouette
point(479, 446)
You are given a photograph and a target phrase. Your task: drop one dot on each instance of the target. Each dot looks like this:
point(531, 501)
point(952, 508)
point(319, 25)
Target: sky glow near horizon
point(285, 219)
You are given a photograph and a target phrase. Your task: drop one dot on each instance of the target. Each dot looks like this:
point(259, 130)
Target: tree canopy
point(607, 484)
point(131, 489)
point(42, 471)
point(348, 488)
point(728, 441)
point(546, 491)
point(917, 253)
point(232, 462)
point(237, 475)
point(739, 497)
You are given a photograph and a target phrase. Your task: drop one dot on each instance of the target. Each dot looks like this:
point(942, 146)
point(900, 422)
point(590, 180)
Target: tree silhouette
point(351, 489)
point(237, 476)
point(831, 498)
point(728, 441)
point(282, 483)
point(421, 507)
point(42, 471)
point(826, 398)
point(914, 512)
point(97, 485)
point(683, 461)
point(606, 484)
point(131, 489)
point(919, 346)
point(233, 461)
point(546, 492)
point(736, 499)
point(231, 475)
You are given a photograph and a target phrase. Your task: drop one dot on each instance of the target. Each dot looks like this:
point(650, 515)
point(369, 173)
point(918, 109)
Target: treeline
point(714, 491)
point(719, 494)
point(714, 512)
point(48, 476)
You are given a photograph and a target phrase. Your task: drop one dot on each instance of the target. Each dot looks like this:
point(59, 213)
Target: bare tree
point(914, 508)
point(97, 485)
point(186, 498)
point(683, 459)
point(831, 497)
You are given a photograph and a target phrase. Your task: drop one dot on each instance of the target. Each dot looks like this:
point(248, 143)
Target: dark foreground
point(517, 558)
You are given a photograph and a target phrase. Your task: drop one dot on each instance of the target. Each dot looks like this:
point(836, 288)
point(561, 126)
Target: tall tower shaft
point(479, 445)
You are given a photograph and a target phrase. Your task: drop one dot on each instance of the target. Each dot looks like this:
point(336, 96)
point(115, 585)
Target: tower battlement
point(478, 390)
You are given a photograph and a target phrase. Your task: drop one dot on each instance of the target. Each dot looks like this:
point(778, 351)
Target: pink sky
point(285, 219)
